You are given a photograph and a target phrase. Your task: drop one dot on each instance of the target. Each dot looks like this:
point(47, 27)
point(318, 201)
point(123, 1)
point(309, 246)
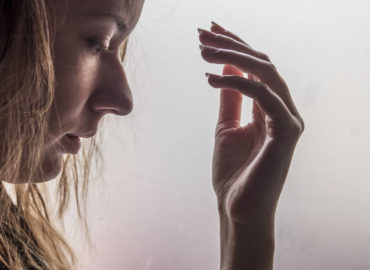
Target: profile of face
point(89, 75)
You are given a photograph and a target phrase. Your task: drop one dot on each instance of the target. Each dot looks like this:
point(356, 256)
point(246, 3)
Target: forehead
point(128, 10)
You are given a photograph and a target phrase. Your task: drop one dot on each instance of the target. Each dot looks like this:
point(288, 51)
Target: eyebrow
point(121, 24)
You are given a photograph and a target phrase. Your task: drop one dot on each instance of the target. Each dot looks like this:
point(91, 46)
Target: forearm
point(246, 247)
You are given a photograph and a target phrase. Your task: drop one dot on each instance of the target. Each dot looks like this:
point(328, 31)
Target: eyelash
point(94, 45)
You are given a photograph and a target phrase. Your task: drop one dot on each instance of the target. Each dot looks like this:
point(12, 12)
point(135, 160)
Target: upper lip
point(86, 134)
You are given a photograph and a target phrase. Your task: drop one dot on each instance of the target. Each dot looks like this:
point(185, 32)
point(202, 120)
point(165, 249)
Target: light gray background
point(157, 210)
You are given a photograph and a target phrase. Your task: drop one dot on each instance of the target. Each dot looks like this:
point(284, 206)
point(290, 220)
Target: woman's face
point(90, 81)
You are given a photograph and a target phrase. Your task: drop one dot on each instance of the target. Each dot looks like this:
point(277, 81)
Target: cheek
point(74, 85)
point(74, 75)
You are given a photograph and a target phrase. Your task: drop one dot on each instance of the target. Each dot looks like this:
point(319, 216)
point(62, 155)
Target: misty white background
point(156, 208)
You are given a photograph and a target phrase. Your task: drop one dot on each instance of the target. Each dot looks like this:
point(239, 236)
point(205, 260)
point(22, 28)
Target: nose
point(112, 93)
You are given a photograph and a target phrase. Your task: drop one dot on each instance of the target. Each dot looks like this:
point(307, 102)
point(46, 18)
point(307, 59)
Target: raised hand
point(250, 163)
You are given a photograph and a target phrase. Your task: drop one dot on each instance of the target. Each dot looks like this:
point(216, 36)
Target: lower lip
point(73, 144)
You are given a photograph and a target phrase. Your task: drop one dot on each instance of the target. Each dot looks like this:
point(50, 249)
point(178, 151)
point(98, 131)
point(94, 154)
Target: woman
point(61, 72)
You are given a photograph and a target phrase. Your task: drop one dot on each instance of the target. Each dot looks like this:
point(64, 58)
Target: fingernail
point(215, 76)
point(200, 31)
point(217, 25)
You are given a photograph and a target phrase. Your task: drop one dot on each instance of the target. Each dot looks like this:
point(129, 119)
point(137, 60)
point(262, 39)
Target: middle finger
point(263, 70)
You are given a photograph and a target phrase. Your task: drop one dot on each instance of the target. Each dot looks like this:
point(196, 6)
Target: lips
point(72, 136)
point(72, 141)
point(87, 134)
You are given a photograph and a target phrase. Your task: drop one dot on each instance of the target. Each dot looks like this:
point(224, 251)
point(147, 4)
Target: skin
point(250, 163)
point(90, 82)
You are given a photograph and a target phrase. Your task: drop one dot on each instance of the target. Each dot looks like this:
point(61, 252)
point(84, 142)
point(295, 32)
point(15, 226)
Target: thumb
point(230, 100)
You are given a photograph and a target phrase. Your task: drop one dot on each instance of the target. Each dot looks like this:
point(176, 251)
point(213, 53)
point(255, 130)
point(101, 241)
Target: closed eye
point(96, 47)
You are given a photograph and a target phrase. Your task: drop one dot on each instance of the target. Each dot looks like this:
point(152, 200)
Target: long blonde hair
point(29, 238)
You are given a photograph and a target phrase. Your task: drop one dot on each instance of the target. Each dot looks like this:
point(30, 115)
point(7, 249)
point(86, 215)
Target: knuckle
point(295, 128)
point(263, 87)
point(222, 129)
point(262, 90)
point(270, 71)
point(271, 67)
point(301, 122)
point(265, 57)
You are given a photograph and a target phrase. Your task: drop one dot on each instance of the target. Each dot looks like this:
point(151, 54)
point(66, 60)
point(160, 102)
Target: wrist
point(247, 246)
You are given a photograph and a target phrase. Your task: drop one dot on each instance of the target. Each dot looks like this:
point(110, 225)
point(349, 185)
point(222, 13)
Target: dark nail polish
point(217, 25)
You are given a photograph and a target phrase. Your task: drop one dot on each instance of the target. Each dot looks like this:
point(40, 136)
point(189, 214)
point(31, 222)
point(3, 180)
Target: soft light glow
point(157, 210)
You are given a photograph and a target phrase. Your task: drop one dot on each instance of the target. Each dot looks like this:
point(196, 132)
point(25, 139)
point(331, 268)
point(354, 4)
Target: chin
point(50, 167)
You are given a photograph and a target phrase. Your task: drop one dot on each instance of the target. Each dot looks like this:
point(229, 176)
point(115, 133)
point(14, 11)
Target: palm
point(235, 149)
point(235, 153)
